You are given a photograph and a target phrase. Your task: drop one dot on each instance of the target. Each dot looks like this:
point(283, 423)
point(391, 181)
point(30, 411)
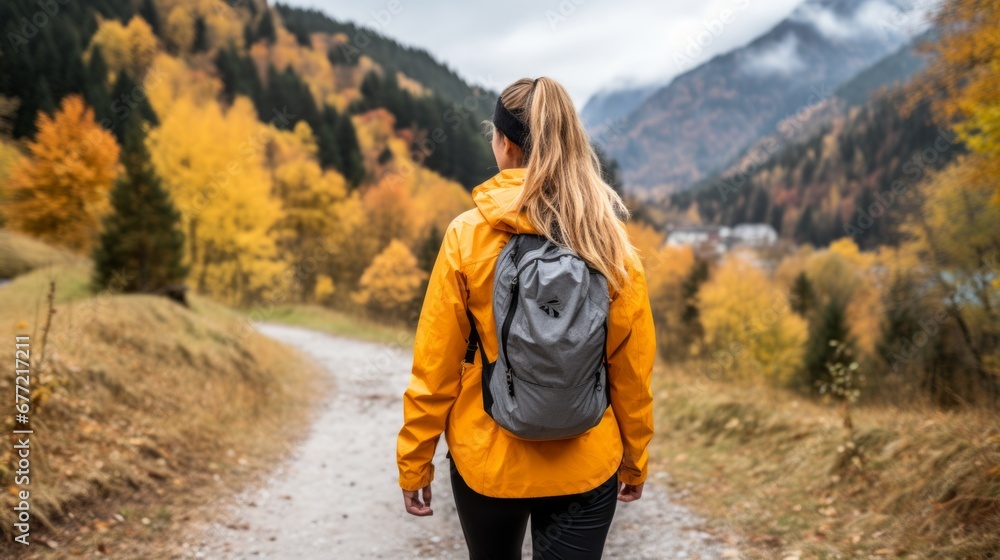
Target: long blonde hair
point(564, 194)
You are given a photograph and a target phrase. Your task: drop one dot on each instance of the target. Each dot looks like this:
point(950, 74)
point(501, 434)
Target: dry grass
point(339, 323)
point(779, 470)
point(143, 409)
point(20, 254)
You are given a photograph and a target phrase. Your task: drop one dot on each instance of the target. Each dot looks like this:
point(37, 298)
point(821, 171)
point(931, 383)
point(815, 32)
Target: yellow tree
point(179, 30)
point(60, 191)
point(213, 163)
point(436, 200)
point(129, 47)
point(389, 209)
point(967, 68)
point(667, 268)
point(955, 231)
point(749, 325)
point(10, 156)
point(392, 282)
point(310, 198)
point(846, 274)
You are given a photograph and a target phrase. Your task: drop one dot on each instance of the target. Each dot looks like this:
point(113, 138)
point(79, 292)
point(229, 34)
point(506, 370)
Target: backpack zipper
point(505, 332)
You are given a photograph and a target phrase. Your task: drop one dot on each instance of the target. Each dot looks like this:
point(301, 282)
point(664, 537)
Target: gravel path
point(337, 496)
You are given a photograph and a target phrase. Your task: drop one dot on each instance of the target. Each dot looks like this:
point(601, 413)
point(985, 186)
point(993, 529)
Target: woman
point(549, 183)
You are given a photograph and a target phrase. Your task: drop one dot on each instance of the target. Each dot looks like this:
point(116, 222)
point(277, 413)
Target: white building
point(719, 239)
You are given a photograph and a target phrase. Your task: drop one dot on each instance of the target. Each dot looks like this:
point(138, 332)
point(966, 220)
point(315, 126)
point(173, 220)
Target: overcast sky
point(588, 45)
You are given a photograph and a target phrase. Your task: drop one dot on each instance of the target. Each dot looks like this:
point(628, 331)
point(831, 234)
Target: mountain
point(896, 68)
point(607, 107)
point(811, 177)
point(886, 74)
point(705, 117)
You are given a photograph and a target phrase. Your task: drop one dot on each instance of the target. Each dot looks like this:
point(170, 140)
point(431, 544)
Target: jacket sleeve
point(438, 350)
point(631, 354)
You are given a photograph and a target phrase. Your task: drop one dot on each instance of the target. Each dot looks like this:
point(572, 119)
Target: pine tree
point(141, 240)
point(239, 76)
point(266, 28)
point(805, 230)
point(200, 36)
point(329, 151)
point(802, 296)
point(129, 106)
point(148, 12)
point(97, 91)
point(350, 151)
point(429, 249)
point(829, 326)
point(690, 314)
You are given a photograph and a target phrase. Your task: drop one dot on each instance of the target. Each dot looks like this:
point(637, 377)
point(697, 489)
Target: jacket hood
point(494, 199)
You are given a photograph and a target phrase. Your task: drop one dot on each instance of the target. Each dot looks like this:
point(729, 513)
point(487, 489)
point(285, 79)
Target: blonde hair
point(564, 196)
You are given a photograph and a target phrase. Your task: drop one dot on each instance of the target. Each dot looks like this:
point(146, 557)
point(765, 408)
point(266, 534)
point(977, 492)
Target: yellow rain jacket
point(445, 394)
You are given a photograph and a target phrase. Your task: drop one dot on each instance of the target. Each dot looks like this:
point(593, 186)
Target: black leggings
point(571, 527)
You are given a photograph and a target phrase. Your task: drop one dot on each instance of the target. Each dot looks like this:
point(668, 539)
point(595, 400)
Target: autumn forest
point(245, 158)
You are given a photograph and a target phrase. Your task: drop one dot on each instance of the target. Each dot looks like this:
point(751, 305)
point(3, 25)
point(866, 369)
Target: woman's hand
point(413, 505)
point(630, 493)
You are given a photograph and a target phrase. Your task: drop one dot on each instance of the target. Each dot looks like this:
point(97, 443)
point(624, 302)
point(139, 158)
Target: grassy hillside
point(20, 253)
point(142, 409)
point(781, 471)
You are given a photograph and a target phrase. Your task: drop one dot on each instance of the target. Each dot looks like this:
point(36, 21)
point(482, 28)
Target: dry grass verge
point(143, 410)
point(339, 323)
point(20, 254)
point(780, 470)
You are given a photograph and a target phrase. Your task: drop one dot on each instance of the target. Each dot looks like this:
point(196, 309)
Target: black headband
point(509, 125)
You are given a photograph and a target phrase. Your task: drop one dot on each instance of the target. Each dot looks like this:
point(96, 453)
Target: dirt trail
point(337, 496)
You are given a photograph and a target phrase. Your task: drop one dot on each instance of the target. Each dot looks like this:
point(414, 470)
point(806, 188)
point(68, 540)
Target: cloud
point(778, 57)
point(590, 45)
point(894, 21)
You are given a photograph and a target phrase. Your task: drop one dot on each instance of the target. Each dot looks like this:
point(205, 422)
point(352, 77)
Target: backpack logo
point(551, 308)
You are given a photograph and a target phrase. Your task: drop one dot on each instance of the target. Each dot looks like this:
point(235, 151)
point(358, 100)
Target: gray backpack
point(551, 310)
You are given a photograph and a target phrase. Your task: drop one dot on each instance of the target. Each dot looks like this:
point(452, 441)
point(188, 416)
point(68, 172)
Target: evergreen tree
point(97, 92)
point(141, 239)
point(301, 35)
point(802, 296)
point(830, 325)
point(805, 230)
point(148, 12)
point(329, 152)
point(266, 28)
point(690, 314)
point(429, 249)
point(285, 90)
point(200, 36)
point(129, 105)
point(239, 76)
point(350, 151)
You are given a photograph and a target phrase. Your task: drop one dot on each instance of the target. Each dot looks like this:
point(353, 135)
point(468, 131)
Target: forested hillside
point(292, 148)
point(814, 191)
point(825, 171)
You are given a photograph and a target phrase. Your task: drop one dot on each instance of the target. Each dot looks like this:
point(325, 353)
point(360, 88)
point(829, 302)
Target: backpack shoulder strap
point(524, 243)
point(474, 342)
